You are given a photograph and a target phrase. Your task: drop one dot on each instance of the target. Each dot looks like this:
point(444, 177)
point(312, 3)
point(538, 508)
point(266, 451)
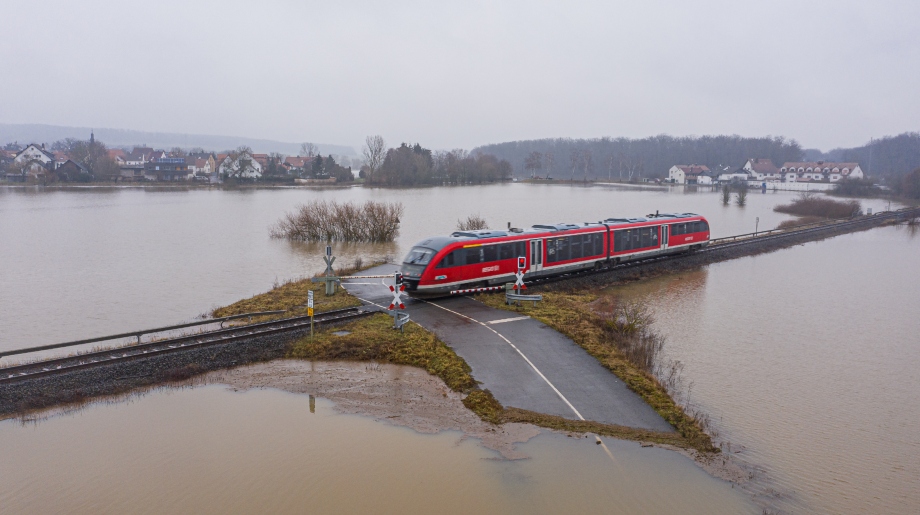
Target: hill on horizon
point(26, 133)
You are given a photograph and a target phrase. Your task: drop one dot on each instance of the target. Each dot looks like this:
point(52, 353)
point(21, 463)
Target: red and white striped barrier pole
point(365, 277)
point(477, 290)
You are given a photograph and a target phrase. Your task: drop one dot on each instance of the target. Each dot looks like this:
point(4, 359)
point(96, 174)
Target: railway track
point(135, 352)
point(720, 244)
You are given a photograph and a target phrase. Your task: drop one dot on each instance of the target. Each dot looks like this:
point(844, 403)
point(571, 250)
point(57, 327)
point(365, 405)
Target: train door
point(664, 237)
point(536, 255)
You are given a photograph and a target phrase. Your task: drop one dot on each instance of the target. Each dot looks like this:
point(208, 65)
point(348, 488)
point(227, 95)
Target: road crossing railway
point(135, 352)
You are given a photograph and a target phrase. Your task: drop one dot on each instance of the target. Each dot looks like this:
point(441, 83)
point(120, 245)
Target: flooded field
point(806, 361)
point(97, 261)
point(211, 450)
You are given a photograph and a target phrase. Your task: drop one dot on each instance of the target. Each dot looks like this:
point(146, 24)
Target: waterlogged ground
point(806, 361)
point(210, 449)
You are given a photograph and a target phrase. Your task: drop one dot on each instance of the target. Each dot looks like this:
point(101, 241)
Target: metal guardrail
point(136, 334)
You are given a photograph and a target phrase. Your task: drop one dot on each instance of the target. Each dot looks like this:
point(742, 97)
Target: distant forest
point(888, 157)
point(633, 159)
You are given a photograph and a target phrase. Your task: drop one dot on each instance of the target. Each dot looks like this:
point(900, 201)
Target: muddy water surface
point(806, 360)
point(89, 262)
point(211, 450)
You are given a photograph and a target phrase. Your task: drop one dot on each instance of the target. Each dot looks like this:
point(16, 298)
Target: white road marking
point(502, 321)
point(513, 346)
point(537, 370)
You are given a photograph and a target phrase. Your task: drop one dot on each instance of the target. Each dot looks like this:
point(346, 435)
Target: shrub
point(472, 223)
point(810, 204)
point(322, 220)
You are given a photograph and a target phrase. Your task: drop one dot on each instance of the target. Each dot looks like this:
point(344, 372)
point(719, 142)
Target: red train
point(471, 259)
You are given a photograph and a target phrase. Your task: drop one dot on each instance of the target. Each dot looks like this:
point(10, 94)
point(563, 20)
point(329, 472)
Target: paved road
point(523, 362)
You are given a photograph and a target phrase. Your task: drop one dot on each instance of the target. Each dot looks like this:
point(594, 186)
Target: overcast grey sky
point(458, 74)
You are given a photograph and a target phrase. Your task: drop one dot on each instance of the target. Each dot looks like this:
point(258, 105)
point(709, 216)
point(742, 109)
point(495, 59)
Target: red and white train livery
point(470, 259)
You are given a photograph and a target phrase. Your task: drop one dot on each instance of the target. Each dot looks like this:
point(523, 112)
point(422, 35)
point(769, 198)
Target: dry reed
point(809, 204)
point(322, 220)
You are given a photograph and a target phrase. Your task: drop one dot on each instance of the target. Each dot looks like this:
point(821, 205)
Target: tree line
point(890, 157)
point(631, 159)
point(409, 165)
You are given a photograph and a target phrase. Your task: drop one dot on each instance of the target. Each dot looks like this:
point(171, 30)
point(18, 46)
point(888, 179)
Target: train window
point(506, 251)
point(617, 241)
point(634, 239)
point(562, 249)
point(550, 251)
point(598, 243)
point(448, 260)
point(705, 226)
point(677, 229)
point(473, 256)
point(654, 235)
point(575, 251)
point(490, 253)
point(645, 237)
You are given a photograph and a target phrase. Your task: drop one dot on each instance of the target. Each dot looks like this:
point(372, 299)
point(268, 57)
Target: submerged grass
point(568, 313)
point(374, 338)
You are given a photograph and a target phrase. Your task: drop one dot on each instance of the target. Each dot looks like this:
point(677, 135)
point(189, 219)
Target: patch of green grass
point(567, 312)
point(373, 338)
point(292, 297)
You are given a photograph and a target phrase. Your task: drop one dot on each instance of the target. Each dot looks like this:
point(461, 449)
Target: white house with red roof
point(761, 169)
point(690, 174)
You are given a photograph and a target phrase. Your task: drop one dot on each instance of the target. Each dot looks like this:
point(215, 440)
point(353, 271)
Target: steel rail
point(178, 344)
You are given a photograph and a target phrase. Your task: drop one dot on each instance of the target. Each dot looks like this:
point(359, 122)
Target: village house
point(297, 165)
point(820, 171)
point(71, 170)
point(762, 170)
point(34, 160)
point(690, 174)
point(167, 169)
point(243, 166)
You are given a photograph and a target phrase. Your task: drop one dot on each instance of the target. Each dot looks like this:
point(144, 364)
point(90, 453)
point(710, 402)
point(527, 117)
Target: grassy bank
point(568, 313)
point(290, 296)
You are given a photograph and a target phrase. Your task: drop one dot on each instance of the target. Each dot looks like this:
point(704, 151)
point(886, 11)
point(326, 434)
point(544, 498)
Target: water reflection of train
point(470, 259)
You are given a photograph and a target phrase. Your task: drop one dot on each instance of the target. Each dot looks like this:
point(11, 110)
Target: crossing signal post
point(399, 319)
point(522, 266)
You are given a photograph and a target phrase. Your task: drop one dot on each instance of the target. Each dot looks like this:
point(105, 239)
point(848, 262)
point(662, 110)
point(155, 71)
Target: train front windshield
point(418, 256)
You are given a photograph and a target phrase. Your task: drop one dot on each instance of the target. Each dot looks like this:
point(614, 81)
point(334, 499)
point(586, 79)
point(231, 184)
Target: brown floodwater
point(806, 361)
point(211, 450)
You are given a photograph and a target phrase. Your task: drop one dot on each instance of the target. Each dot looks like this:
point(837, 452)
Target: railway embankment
point(724, 252)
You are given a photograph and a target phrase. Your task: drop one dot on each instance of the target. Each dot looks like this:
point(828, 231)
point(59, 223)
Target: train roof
point(439, 242)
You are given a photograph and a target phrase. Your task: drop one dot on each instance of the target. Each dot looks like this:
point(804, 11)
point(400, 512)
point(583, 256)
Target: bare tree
point(609, 161)
point(534, 161)
point(588, 162)
point(574, 159)
point(375, 150)
point(307, 149)
point(550, 159)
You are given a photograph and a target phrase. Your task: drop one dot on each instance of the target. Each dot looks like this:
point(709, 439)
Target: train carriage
point(471, 259)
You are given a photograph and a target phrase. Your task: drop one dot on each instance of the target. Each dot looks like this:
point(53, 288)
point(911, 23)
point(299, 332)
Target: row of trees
point(891, 157)
point(415, 165)
point(629, 159)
